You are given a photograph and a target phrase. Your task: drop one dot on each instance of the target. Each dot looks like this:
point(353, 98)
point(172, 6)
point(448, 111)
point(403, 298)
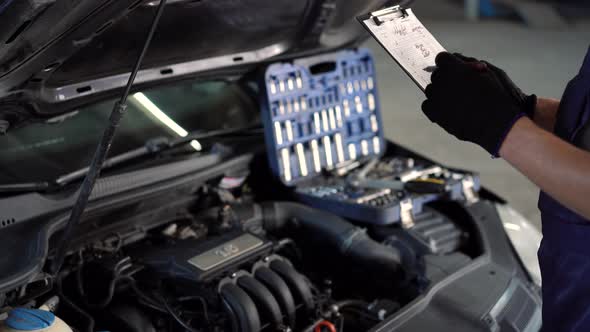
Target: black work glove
point(470, 102)
point(528, 103)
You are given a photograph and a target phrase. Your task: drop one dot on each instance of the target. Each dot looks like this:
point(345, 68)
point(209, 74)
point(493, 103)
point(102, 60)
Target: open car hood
point(56, 55)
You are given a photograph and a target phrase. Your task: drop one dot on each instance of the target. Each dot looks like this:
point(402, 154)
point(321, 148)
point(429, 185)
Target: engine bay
point(332, 228)
point(227, 258)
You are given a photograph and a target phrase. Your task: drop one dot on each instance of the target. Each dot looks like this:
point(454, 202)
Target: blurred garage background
point(541, 44)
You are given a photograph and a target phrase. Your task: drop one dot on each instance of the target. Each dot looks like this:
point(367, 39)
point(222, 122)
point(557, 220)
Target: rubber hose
point(350, 241)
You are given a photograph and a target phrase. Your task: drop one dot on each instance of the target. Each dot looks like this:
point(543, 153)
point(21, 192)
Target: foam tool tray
point(368, 199)
point(379, 206)
point(321, 112)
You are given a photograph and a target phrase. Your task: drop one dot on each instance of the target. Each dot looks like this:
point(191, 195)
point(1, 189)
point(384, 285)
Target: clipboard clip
point(388, 14)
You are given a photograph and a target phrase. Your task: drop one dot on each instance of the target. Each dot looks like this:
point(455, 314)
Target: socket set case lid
point(320, 112)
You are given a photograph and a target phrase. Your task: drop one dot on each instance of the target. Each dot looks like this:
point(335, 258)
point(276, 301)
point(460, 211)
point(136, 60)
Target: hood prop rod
point(101, 152)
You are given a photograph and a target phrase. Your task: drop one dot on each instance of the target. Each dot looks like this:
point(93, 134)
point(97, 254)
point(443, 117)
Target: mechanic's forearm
point(546, 113)
point(557, 167)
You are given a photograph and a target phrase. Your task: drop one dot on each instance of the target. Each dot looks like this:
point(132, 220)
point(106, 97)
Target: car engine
point(225, 262)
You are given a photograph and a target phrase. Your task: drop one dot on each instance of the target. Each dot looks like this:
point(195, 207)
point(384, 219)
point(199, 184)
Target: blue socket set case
point(322, 114)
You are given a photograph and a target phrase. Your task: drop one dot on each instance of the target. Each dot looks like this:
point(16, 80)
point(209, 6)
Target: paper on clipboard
point(404, 37)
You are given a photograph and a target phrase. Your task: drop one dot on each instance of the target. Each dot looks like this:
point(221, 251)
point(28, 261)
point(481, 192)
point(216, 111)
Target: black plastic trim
point(242, 306)
point(279, 289)
point(29, 210)
point(262, 296)
point(459, 300)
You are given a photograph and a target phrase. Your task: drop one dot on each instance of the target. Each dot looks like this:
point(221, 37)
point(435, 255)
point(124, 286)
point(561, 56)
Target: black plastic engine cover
point(202, 260)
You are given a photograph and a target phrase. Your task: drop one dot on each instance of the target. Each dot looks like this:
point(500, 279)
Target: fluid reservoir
point(34, 320)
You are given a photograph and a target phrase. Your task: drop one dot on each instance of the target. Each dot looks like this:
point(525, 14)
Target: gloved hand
point(470, 102)
point(528, 102)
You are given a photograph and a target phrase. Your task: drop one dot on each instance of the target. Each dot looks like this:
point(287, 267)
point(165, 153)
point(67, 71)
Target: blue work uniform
point(564, 255)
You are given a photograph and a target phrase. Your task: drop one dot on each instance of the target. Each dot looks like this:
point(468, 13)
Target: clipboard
point(406, 40)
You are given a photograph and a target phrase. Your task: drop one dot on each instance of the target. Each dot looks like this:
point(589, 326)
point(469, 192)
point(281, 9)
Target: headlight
point(525, 238)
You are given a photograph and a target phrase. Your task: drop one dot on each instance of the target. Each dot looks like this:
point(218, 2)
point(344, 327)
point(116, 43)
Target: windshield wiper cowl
point(24, 187)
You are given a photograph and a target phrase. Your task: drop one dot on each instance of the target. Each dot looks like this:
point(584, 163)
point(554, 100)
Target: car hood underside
point(57, 55)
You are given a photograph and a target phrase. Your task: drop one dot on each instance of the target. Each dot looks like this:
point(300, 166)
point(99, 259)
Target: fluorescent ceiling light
point(149, 106)
point(512, 226)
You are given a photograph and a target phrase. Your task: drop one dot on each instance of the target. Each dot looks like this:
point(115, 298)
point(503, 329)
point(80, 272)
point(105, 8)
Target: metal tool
point(415, 174)
point(359, 179)
point(315, 152)
point(414, 181)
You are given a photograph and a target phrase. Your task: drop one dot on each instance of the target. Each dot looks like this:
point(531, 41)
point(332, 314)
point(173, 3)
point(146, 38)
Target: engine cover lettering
point(224, 252)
